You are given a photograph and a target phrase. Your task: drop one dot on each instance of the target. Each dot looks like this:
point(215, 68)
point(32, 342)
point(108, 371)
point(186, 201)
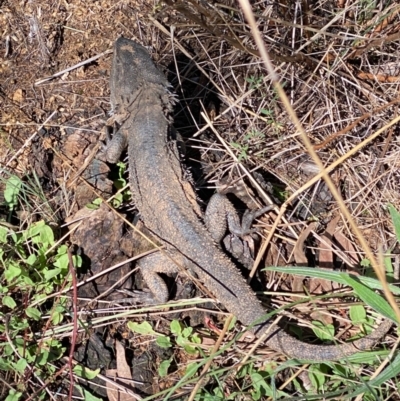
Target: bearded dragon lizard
point(166, 201)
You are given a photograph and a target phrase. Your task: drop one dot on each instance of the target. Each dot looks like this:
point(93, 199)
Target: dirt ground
point(341, 75)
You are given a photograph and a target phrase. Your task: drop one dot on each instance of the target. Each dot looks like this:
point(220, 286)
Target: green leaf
point(267, 112)
point(13, 187)
point(87, 396)
point(387, 261)
point(46, 236)
point(187, 331)
point(365, 262)
point(4, 365)
point(85, 372)
point(117, 200)
point(57, 317)
point(163, 368)
point(141, 328)
point(189, 349)
point(62, 262)
point(3, 234)
point(49, 274)
point(323, 331)
point(33, 313)
point(395, 215)
point(195, 338)
point(62, 250)
point(12, 271)
point(191, 370)
point(13, 395)
point(77, 261)
point(232, 323)
point(371, 298)
point(21, 365)
point(163, 341)
point(260, 386)
point(94, 205)
point(9, 301)
point(335, 276)
point(181, 341)
point(176, 327)
point(43, 358)
point(31, 259)
point(317, 377)
point(40, 233)
point(357, 314)
point(120, 183)
point(17, 238)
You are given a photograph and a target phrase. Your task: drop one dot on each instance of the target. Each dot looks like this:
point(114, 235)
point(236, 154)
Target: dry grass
point(337, 62)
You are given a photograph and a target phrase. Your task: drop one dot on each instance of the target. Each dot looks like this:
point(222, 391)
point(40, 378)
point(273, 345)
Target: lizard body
point(165, 200)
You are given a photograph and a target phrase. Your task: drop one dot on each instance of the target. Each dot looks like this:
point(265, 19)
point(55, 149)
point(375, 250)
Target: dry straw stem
point(378, 268)
point(82, 63)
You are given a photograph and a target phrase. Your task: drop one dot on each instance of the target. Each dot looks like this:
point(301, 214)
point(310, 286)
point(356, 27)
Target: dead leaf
point(319, 285)
point(121, 375)
point(322, 317)
point(348, 248)
point(300, 257)
point(325, 246)
point(18, 96)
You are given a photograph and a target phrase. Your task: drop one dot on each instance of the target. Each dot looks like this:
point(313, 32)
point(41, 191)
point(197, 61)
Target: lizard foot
point(221, 215)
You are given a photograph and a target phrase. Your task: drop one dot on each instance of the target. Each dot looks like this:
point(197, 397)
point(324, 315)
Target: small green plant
point(33, 267)
point(253, 135)
point(276, 127)
point(254, 81)
point(323, 331)
point(120, 183)
point(251, 141)
point(184, 336)
point(366, 10)
point(259, 383)
point(243, 151)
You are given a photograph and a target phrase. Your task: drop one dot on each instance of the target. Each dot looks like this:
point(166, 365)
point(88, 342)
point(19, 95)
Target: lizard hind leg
point(221, 215)
point(151, 266)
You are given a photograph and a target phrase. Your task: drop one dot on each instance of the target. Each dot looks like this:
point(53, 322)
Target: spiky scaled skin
point(140, 100)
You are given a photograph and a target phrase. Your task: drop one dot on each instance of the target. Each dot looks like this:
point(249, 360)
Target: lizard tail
point(281, 341)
